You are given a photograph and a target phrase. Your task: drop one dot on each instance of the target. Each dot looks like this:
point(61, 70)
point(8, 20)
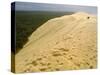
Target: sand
point(63, 43)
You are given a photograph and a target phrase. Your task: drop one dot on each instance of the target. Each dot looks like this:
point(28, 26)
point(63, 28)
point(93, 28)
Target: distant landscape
point(28, 21)
point(53, 37)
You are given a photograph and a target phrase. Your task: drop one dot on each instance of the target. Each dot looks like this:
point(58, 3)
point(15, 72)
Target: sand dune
point(63, 43)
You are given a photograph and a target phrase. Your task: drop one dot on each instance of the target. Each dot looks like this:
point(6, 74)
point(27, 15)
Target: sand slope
point(63, 43)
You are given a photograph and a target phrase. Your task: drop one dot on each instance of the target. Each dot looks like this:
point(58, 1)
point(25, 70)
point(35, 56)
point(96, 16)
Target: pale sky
point(54, 7)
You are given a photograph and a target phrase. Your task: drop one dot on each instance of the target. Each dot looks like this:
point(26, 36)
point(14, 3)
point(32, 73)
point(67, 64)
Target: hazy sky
point(54, 7)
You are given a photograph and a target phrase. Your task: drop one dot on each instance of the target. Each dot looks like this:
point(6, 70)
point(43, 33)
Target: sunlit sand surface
point(63, 43)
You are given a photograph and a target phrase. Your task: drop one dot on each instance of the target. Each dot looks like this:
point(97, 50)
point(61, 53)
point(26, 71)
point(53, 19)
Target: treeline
point(28, 21)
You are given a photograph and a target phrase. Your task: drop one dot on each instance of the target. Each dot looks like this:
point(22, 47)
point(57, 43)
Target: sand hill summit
point(63, 43)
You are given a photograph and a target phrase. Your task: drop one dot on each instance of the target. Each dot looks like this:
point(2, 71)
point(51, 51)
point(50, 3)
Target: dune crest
point(63, 43)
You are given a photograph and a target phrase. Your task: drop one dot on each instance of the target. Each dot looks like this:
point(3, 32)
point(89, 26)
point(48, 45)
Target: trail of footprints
point(47, 65)
point(39, 64)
